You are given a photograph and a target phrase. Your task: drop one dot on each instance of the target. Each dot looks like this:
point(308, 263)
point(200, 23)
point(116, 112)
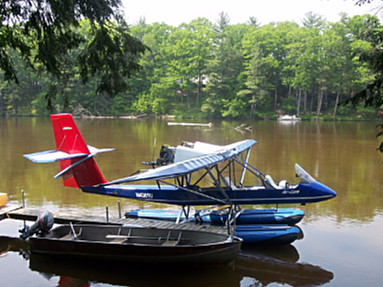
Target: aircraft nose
point(324, 191)
point(330, 192)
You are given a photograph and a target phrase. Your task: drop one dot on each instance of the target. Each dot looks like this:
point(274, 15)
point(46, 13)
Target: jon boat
point(137, 244)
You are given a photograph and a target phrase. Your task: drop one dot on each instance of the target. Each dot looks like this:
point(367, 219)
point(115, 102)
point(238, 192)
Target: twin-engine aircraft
point(182, 180)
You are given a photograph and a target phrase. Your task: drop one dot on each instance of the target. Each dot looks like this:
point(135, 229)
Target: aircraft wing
point(190, 165)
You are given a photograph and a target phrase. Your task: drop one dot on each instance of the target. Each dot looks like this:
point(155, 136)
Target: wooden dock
point(31, 214)
point(4, 210)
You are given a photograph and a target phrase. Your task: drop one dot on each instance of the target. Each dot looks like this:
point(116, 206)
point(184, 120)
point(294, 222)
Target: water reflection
point(262, 267)
point(345, 231)
point(254, 267)
point(279, 265)
point(341, 155)
point(8, 244)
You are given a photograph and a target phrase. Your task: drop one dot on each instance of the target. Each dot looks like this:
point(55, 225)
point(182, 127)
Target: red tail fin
point(69, 140)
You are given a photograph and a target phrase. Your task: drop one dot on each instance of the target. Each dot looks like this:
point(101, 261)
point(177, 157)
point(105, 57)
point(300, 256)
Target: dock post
point(119, 209)
point(23, 198)
point(23, 201)
point(107, 214)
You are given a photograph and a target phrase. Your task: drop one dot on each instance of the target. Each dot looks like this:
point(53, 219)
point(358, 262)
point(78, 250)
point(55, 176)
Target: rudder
point(69, 140)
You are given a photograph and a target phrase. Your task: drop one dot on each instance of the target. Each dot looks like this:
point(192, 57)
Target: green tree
point(224, 70)
point(372, 55)
point(43, 32)
point(155, 66)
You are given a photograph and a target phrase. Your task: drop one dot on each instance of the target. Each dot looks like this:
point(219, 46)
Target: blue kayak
point(288, 216)
point(273, 234)
point(169, 215)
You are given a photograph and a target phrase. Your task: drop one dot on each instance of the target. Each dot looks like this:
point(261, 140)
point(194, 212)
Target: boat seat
point(270, 183)
point(229, 183)
point(172, 242)
point(283, 184)
point(69, 236)
point(117, 238)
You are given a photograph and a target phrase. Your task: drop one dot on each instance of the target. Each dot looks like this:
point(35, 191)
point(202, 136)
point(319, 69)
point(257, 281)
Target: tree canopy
point(44, 32)
point(202, 68)
point(372, 55)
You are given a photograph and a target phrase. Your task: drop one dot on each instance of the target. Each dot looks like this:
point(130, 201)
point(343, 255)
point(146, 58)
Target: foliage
point(46, 33)
point(202, 68)
point(370, 52)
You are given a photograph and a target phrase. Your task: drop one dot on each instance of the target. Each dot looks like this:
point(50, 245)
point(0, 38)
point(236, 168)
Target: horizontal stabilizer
point(55, 155)
point(51, 156)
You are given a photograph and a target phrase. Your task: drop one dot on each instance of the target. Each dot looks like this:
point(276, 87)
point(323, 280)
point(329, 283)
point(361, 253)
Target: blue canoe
point(288, 216)
point(272, 234)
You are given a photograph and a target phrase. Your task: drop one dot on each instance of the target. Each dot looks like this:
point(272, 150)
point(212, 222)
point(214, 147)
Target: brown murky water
point(342, 244)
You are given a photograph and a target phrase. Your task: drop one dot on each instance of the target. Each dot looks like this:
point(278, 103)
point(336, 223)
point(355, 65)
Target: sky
point(175, 12)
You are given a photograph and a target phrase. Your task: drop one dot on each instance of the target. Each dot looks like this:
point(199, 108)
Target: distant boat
point(289, 118)
point(137, 244)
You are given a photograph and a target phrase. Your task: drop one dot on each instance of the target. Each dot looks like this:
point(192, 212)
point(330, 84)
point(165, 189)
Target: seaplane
point(192, 174)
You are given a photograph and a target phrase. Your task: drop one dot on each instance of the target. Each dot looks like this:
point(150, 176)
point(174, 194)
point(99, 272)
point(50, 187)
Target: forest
point(220, 70)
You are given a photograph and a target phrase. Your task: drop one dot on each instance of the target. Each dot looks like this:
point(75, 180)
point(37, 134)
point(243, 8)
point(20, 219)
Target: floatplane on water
point(179, 181)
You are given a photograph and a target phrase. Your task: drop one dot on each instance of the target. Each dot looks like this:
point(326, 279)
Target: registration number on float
point(144, 195)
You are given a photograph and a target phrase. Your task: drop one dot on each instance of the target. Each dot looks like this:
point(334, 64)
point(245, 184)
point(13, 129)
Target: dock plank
point(63, 217)
point(4, 210)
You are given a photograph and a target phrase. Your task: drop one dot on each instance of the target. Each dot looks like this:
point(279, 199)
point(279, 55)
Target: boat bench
point(116, 238)
point(71, 236)
point(68, 237)
point(172, 242)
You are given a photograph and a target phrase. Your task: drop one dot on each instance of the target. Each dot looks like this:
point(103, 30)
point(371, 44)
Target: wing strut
point(244, 168)
point(219, 185)
point(251, 168)
point(194, 191)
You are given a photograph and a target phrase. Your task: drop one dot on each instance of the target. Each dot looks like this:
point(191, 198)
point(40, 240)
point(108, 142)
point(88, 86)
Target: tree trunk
point(299, 101)
point(2, 112)
point(336, 104)
point(275, 98)
point(319, 106)
point(199, 91)
point(15, 106)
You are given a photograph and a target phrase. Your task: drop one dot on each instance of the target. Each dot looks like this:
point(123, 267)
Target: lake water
point(342, 244)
